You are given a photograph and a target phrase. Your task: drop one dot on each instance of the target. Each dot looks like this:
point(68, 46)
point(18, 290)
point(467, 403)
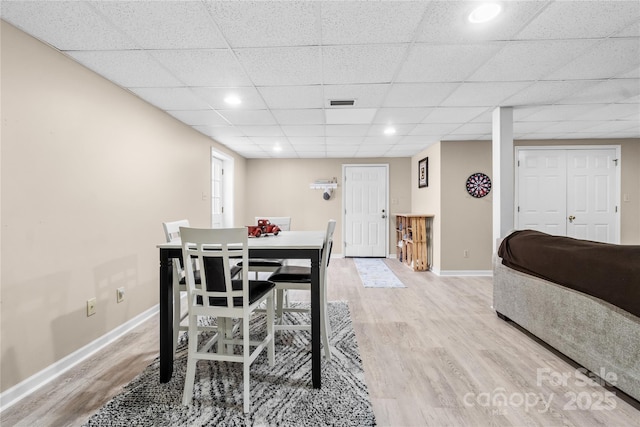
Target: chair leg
point(246, 352)
point(279, 302)
point(190, 376)
point(270, 331)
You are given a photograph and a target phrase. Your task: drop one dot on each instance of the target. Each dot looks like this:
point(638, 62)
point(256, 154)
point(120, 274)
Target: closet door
point(568, 192)
point(542, 191)
point(591, 199)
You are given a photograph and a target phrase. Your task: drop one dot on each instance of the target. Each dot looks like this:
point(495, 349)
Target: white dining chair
point(299, 277)
point(224, 298)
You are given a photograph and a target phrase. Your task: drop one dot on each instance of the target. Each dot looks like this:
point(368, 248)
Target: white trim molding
point(19, 391)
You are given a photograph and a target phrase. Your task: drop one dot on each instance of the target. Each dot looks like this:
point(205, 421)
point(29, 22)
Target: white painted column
point(503, 173)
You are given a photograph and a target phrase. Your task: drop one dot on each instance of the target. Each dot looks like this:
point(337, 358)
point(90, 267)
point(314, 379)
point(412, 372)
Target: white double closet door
point(569, 191)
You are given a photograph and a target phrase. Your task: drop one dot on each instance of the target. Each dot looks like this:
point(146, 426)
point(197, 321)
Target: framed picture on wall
point(423, 173)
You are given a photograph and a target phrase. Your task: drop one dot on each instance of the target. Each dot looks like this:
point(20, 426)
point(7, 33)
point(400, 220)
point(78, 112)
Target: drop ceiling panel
point(370, 22)
point(365, 95)
point(442, 63)
point(66, 25)
point(571, 20)
point(283, 66)
point(267, 23)
point(610, 57)
point(531, 60)
point(248, 117)
point(288, 97)
point(199, 117)
point(127, 68)
point(418, 95)
point(215, 97)
point(163, 24)
point(171, 98)
point(313, 116)
point(203, 67)
point(361, 63)
point(420, 66)
point(483, 94)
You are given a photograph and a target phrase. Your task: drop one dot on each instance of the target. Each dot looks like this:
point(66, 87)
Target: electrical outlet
point(120, 294)
point(91, 307)
point(466, 253)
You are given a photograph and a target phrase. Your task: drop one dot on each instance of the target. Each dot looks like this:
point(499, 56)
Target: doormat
point(374, 273)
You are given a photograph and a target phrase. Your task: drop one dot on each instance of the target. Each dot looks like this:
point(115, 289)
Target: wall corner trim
point(19, 391)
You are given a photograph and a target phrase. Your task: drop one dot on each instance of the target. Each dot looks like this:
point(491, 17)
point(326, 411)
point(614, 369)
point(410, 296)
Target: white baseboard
point(34, 382)
point(488, 273)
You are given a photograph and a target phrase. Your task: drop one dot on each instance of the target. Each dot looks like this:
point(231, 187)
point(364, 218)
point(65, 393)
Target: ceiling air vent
point(341, 102)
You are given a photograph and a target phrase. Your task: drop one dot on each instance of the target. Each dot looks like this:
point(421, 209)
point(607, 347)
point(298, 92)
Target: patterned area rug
point(374, 273)
point(280, 396)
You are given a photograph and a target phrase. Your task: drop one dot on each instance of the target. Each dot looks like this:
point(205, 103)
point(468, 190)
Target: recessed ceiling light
point(484, 13)
point(390, 130)
point(233, 100)
point(277, 147)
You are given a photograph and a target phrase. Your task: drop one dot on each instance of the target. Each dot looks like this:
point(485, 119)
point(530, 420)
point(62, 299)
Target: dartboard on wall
point(478, 185)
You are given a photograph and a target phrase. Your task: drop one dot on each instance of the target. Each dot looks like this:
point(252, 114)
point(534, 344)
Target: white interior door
point(217, 193)
point(542, 191)
point(591, 199)
point(366, 210)
point(569, 192)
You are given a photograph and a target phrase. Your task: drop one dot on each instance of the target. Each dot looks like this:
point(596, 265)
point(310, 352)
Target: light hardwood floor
point(434, 354)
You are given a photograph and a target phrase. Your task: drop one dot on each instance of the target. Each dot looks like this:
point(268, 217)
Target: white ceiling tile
point(417, 141)
point(224, 131)
point(607, 58)
point(453, 114)
point(267, 23)
point(400, 130)
point(529, 60)
point(434, 129)
point(127, 68)
point(445, 63)
point(474, 128)
point(310, 141)
point(547, 92)
point(556, 113)
point(66, 25)
point(344, 140)
point(446, 22)
point(270, 141)
point(163, 24)
point(418, 95)
point(400, 115)
point(171, 98)
point(607, 92)
point(356, 22)
point(380, 140)
point(248, 117)
point(612, 112)
point(312, 116)
point(348, 64)
point(203, 67)
point(284, 66)
point(215, 97)
point(365, 95)
point(483, 94)
point(337, 116)
point(346, 130)
point(575, 19)
point(303, 130)
point(199, 117)
point(288, 97)
point(267, 131)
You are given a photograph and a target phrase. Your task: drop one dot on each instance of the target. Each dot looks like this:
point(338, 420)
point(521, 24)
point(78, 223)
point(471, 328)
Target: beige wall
point(89, 172)
point(280, 187)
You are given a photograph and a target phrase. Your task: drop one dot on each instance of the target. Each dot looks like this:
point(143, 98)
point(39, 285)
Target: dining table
point(299, 245)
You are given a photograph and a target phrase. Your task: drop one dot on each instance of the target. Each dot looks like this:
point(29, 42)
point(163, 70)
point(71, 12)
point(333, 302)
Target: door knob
point(571, 218)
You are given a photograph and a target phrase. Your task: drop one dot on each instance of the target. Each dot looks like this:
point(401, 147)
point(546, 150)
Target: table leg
point(315, 321)
point(166, 317)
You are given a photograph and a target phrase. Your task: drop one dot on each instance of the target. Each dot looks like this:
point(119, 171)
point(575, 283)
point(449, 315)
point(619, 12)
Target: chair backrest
point(284, 222)
point(328, 243)
point(172, 229)
point(214, 248)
